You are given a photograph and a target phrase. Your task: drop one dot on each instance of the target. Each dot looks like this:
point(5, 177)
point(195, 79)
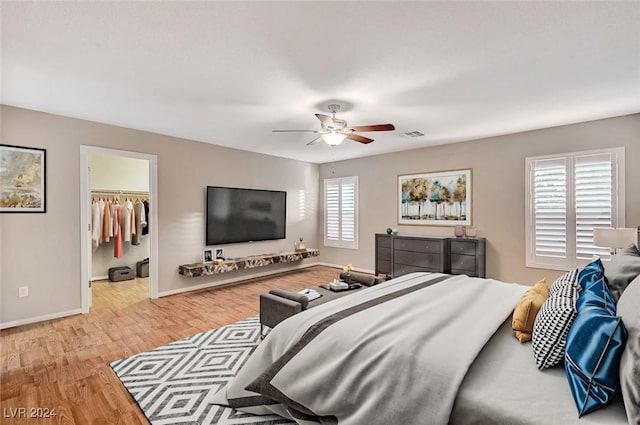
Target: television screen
point(245, 215)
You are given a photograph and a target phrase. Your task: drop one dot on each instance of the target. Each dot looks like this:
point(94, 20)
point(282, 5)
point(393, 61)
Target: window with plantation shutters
point(341, 212)
point(567, 196)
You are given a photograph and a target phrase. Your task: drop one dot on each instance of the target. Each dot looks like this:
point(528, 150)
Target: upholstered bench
point(279, 304)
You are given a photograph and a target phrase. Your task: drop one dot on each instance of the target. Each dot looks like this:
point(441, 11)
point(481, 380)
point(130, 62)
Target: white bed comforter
point(395, 353)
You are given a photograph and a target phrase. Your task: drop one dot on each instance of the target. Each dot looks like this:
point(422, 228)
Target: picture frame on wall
point(438, 198)
point(207, 256)
point(23, 179)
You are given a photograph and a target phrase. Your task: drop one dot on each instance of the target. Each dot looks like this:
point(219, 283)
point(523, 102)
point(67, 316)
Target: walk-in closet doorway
point(107, 177)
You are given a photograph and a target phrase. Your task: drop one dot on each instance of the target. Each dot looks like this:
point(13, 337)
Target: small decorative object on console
point(338, 286)
point(347, 273)
point(207, 256)
point(312, 294)
point(389, 230)
point(459, 231)
point(300, 245)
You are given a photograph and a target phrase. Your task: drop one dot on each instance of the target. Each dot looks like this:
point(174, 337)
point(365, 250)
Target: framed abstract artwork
point(23, 179)
point(439, 198)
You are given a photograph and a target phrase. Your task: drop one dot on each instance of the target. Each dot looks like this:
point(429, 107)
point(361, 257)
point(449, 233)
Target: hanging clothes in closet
point(128, 220)
point(121, 222)
point(107, 222)
point(117, 231)
point(145, 229)
point(97, 221)
point(140, 222)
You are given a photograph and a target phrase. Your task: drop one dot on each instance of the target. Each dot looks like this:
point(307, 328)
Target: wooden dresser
point(397, 255)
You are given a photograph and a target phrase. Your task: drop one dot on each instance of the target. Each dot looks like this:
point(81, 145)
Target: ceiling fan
point(334, 130)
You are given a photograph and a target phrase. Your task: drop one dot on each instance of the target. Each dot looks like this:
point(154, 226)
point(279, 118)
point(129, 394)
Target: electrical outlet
point(23, 291)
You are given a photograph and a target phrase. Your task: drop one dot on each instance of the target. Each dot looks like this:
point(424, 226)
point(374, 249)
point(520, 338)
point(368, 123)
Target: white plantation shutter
point(332, 210)
point(594, 197)
point(550, 209)
point(568, 195)
point(341, 212)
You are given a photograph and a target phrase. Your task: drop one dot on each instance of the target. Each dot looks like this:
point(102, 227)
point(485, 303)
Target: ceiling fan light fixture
point(334, 130)
point(333, 139)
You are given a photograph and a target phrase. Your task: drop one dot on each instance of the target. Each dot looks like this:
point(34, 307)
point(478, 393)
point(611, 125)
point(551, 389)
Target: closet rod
point(106, 192)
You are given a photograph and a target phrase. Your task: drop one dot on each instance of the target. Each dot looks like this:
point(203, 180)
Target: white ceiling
point(228, 73)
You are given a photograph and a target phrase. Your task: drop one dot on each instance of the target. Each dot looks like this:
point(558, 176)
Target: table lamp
point(614, 238)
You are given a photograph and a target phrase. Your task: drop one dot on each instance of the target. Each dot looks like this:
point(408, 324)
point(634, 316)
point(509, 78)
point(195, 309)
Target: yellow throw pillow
point(524, 315)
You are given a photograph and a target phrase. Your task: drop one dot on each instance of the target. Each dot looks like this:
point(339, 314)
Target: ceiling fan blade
point(326, 121)
point(374, 127)
point(296, 131)
point(314, 140)
point(359, 138)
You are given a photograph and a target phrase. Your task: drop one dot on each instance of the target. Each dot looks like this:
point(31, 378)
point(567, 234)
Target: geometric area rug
point(172, 383)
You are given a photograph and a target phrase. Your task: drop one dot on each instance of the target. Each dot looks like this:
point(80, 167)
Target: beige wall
point(498, 188)
point(51, 241)
point(42, 251)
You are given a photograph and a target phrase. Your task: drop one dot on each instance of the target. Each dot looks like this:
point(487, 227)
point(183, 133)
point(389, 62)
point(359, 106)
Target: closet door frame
point(85, 211)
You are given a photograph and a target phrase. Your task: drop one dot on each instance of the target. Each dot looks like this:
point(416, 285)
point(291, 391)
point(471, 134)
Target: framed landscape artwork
point(22, 179)
point(440, 198)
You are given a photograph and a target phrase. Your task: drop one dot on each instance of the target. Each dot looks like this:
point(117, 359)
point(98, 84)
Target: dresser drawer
point(463, 247)
point(465, 263)
point(419, 259)
point(383, 254)
point(383, 267)
point(418, 245)
point(383, 241)
point(402, 269)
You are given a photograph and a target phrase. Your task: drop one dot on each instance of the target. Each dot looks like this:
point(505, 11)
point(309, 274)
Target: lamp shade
point(614, 238)
point(334, 139)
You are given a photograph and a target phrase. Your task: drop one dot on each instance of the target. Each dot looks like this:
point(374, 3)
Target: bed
point(424, 348)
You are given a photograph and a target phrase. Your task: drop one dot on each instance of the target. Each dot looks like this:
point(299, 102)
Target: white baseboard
point(62, 314)
point(40, 318)
point(105, 277)
point(233, 280)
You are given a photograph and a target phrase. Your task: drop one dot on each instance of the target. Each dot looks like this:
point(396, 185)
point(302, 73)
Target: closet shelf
point(126, 193)
point(230, 265)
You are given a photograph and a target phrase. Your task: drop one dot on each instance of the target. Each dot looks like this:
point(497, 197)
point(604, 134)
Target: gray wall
point(42, 251)
point(498, 189)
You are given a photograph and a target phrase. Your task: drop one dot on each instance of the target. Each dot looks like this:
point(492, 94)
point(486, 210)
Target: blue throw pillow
point(595, 343)
point(597, 294)
point(592, 359)
point(592, 272)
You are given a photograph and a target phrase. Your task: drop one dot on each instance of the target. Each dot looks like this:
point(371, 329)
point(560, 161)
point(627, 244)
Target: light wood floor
point(63, 364)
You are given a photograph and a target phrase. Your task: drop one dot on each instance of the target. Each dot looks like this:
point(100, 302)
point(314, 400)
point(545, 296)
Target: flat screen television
point(237, 215)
